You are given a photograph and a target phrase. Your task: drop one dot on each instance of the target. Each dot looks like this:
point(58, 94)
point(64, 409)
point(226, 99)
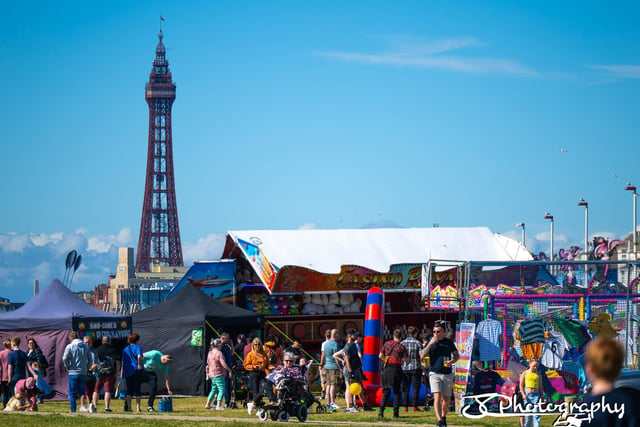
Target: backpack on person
point(106, 366)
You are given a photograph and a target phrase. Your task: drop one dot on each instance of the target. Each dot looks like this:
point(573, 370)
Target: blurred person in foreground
point(602, 363)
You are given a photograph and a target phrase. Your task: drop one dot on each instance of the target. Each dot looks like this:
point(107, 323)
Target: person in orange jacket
point(256, 363)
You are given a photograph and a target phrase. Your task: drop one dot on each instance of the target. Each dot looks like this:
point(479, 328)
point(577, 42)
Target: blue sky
point(326, 114)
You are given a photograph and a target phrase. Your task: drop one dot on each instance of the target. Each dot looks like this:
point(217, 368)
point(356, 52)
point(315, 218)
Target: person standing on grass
point(217, 372)
point(531, 390)
point(76, 360)
point(17, 364)
point(255, 363)
point(132, 370)
point(92, 377)
point(392, 355)
point(34, 354)
point(227, 351)
point(442, 354)
point(352, 369)
point(4, 372)
point(152, 361)
point(109, 362)
point(412, 370)
point(322, 370)
point(332, 370)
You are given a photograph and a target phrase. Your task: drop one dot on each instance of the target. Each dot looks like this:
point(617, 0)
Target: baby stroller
point(290, 394)
point(240, 387)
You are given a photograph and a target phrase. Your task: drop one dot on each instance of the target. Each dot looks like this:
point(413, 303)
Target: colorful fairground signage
point(569, 413)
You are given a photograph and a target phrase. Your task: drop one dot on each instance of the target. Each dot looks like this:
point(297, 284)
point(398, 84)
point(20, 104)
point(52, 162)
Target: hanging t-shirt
point(553, 350)
point(531, 331)
point(488, 333)
point(575, 333)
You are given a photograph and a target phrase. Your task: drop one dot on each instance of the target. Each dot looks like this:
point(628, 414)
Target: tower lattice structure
point(159, 240)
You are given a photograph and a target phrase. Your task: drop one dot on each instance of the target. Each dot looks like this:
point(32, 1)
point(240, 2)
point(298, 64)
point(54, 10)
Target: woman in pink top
point(217, 371)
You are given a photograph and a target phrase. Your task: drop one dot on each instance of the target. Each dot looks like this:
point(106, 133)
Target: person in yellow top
point(531, 390)
point(255, 363)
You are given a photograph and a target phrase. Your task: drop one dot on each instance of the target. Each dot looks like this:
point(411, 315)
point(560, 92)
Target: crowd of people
point(90, 370)
point(407, 361)
point(94, 369)
point(23, 384)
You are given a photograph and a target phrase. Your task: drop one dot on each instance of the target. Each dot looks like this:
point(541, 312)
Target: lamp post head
point(582, 202)
point(520, 224)
point(547, 215)
point(630, 187)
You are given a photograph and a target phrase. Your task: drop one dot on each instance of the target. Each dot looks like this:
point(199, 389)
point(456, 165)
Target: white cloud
point(71, 241)
point(41, 239)
point(206, 248)
point(14, 242)
point(104, 242)
point(626, 71)
point(431, 55)
point(124, 236)
point(26, 257)
point(559, 239)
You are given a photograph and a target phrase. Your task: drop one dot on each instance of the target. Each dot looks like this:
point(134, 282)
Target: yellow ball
point(355, 388)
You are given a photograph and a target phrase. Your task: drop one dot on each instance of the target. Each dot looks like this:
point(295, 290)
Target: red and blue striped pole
point(373, 327)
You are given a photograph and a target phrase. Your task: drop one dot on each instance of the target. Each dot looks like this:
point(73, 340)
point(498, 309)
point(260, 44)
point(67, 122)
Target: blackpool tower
point(159, 240)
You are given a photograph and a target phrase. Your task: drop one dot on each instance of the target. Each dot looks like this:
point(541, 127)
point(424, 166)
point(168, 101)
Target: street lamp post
point(548, 216)
point(630, 187)
point(582, 202)
point(521, 224)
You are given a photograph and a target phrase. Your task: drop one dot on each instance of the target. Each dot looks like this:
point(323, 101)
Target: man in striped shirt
point(412, 369)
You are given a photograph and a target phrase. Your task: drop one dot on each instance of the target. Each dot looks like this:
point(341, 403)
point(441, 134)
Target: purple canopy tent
point(49, 317)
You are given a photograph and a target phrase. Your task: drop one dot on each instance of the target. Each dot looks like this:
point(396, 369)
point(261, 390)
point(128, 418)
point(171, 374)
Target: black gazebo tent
point(170, 327)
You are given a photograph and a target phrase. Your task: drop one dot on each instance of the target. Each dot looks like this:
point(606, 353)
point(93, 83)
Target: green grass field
point(189, 411)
